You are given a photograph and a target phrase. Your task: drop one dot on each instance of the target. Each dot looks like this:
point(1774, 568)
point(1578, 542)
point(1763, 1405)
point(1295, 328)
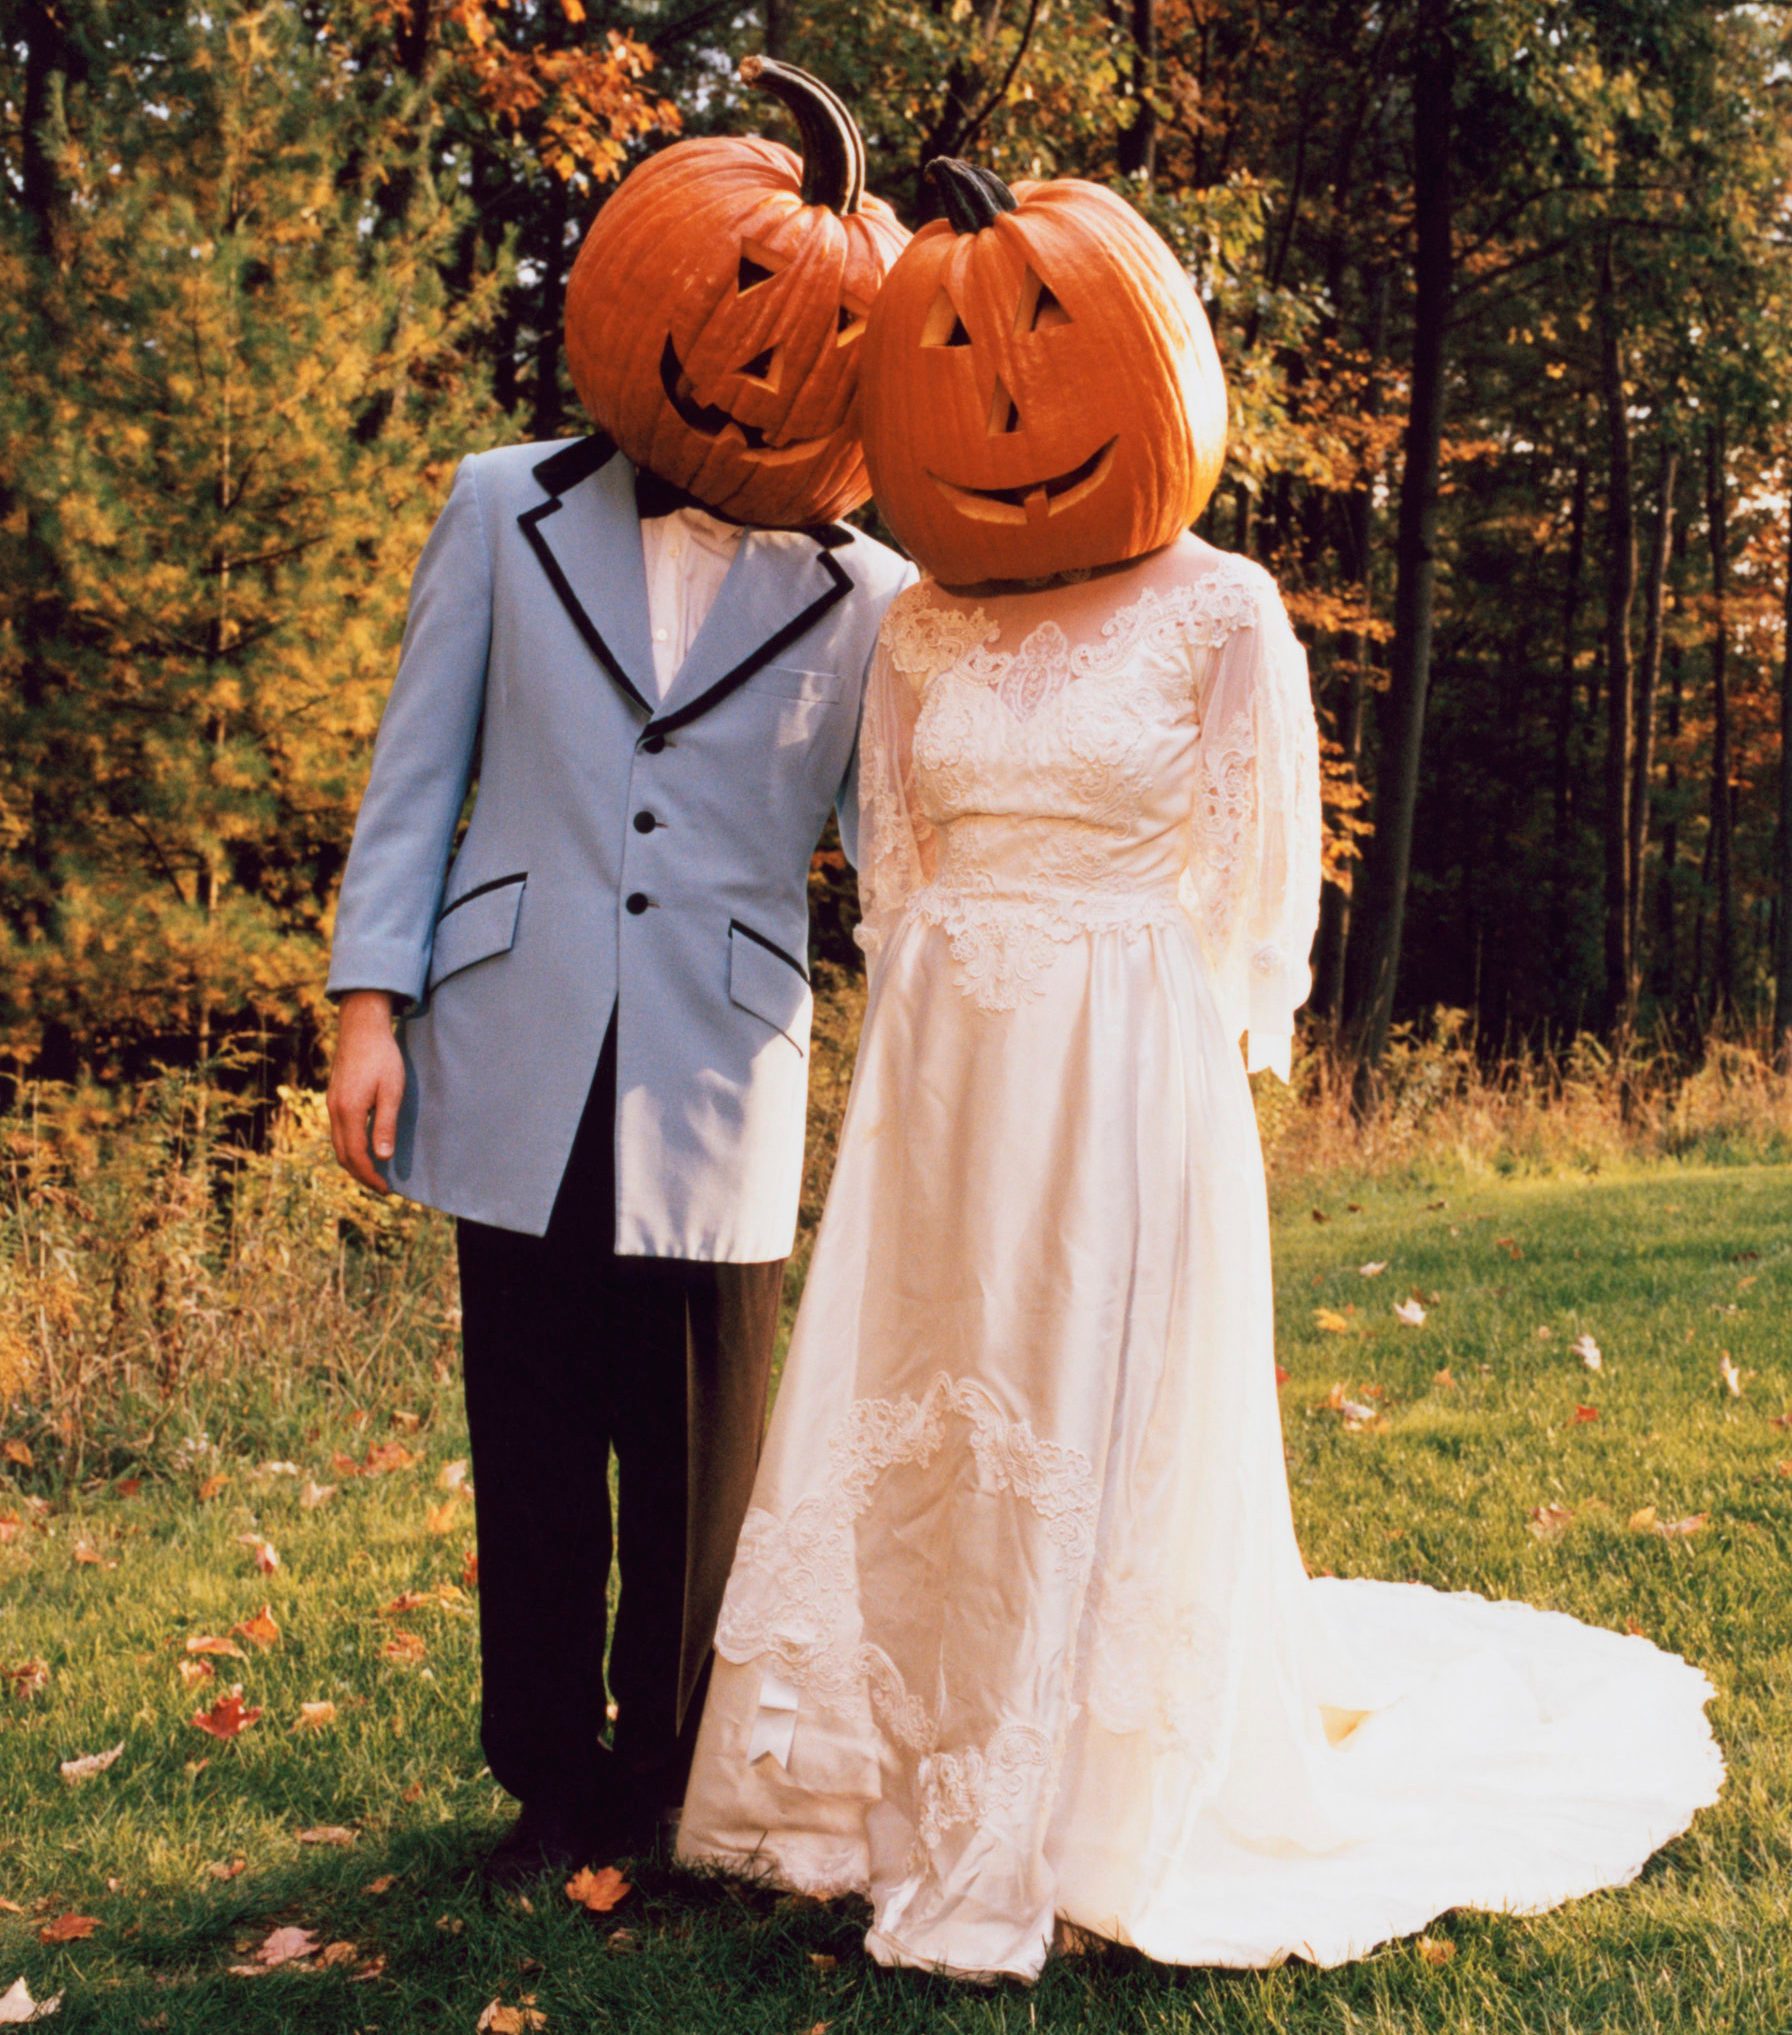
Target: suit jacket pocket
point(476, 925)
point(786, 682)
point(771, 984)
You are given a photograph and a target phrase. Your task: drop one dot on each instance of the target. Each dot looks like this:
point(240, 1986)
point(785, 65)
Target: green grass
point(1666, 1267)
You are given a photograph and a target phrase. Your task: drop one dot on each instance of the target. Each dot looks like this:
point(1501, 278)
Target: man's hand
point(366, 1085)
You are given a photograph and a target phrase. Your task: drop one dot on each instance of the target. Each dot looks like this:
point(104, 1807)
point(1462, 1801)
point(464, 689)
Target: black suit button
point(654, 744)
point(645, 823)
point(636, 902)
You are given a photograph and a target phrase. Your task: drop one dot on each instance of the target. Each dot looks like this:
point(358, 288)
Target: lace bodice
point(1136, 751)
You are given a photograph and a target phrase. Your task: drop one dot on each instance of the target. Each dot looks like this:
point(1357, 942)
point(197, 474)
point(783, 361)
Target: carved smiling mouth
point(709, 420)
point(1033, 500)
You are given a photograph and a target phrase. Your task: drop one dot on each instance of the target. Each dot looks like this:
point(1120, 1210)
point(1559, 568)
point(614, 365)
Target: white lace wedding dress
point(1018, 1628)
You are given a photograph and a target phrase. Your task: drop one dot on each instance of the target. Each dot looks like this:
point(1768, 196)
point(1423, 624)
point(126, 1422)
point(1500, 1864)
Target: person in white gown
point(1018, 1631)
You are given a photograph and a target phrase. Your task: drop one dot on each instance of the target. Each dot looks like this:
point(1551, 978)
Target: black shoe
point(545, 1838)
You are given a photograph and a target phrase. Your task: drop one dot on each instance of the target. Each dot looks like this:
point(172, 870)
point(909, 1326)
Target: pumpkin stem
point(833, 151)
point(971, 197)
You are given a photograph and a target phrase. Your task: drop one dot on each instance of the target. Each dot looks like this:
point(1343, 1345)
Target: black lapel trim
point(759, 940)
point(841, 585)
point(558, 472)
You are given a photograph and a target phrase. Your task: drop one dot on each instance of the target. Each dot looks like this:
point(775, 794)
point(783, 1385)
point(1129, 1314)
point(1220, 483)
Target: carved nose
point(760, 366)
point(1004, 412)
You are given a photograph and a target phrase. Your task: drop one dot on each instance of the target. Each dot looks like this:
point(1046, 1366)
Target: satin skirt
point(1019, 1630)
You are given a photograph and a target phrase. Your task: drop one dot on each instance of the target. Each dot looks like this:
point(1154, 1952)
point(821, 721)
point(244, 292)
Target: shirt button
point(660, 635)
point(654, 744)
point(645, 823)
point(636, 902)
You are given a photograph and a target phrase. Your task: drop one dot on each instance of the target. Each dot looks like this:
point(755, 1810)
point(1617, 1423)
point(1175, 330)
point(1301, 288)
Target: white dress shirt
point(687, 555)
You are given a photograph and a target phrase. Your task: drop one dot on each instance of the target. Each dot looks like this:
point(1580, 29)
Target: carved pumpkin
point(715, 314)
point(1042, 392)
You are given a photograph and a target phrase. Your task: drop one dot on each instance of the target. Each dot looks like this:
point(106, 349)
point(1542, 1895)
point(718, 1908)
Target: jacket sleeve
point(422, 761)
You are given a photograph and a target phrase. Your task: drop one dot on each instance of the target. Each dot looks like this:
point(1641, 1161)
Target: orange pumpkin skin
point(1042, 393)
point(714, 323)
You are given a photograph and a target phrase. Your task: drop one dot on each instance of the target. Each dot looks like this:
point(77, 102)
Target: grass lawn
point(1667, 1269)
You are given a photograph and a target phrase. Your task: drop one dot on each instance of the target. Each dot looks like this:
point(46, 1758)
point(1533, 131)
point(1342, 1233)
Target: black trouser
point(571, 1351)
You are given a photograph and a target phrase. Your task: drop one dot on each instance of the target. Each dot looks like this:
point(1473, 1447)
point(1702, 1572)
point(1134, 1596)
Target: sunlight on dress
point(1018, 1629)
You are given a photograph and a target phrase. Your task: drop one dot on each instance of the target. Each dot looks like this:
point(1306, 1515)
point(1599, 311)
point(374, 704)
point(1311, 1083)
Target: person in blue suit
point(584, 1034)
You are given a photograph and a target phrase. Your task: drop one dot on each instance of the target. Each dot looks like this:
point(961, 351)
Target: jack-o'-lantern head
point(715, 314)
point(1042, 393)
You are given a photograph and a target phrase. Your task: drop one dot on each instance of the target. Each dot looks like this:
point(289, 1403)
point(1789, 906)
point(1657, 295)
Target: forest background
point(1502, 287)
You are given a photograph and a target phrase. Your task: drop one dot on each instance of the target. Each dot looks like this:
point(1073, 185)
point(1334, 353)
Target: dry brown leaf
point(89, 1557)
point(597, 1892)
point(452, 1476)
point(385, 1456)
point(413, 1794)
point(383, 1885)
point(18, 1452)
point(344, 1466)
point(312, 1494)
point(193, 1672)
point(211, 1642)
point(314, 1716)
point(1642, 1520)
point(1728, 1375)
point(280, 1946)
point(1546, 1521)
point(469, 1570)
point(405, 1648)
point(499, 2019)
point(1436, 1949)
point(824, 1960)
point(227, 1716)
point(89, 1763)
point(337, 1953)
point(261, 1628)
point(440, 1519)
point(1331, 1321)
point(1679, 1529)
point(404, 1419)
point(1443, 1379)
point(1585, 1414)
point(407, 1600)
point(327, 1833)
point(68, 1929)
point(227, 1868)
point(211, 1487)
point(267, 1560)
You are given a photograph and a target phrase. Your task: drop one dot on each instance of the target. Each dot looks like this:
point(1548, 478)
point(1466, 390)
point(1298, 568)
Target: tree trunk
point(1648, 684)
point(1375, 952)
point(1620, 677)
point(1563, 772)
point(777, 28)
point(1782, 848)
point(1137, 145)
point(1666, 969)
point(1723, 875)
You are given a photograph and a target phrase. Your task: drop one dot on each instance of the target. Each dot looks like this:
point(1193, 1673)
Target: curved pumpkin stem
point(971, 197)
point(833, 150)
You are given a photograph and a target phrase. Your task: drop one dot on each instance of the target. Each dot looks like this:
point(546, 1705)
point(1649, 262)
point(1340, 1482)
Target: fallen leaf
point(89, 1763)
point(327, 1833)
point(824, 1960)
point(1411, 1311)
point(128, 1487)
point(227, 1716)
point(1373, 1269)
point(403, 1417)
point(1730, 1377)
point(312, 1494)
point(261, 1628)
point(1679, 1529)
point(439, 1519)
point(281, 1946)
point(337, 1953)
point(193, 1672)
point(386, 1456)
point(1642, 1520)
point(17, 2006)
point(1546, 1521)
point(383, 1885)
point(413, 1794)
point(406, 1648)
point(211, 1487)
point(88, 1556)
point(1436, 1949)
point(29, 1678)
point(226, 1869)
point(469, 1570)
point(1356, 1414)
point(314, 1716)
point(211, 1642)
point(1282, 1377)
point(1513, 1249)
point(407, 1600)
point(1783, 1420)
point(68, 1929)
point(1588, 1352)
point(1331, 1321)
point(18, 1452)
point(1634, 1629)
point(267, 1559)
point(452, 1476)
point(499, 2019)
point(276, 1469)
point(597, 1892)
point(344, 1466)
point(1583, 1414)
point(1319, 1215)
point(1444, 1379)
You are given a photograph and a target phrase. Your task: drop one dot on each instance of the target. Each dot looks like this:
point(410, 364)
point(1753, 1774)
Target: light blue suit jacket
point(622, 854)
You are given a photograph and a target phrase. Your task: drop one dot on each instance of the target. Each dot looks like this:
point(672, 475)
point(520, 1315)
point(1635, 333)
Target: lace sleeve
point(1255, 848)
point(895, 842)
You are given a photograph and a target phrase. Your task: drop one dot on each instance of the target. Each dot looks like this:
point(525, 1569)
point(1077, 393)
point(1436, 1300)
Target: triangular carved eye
point(752, 273)
point(1038, 309)
point(944, 327)
point(850, 324)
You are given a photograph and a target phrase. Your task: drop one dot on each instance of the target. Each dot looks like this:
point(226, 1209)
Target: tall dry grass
point(168, 1283)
